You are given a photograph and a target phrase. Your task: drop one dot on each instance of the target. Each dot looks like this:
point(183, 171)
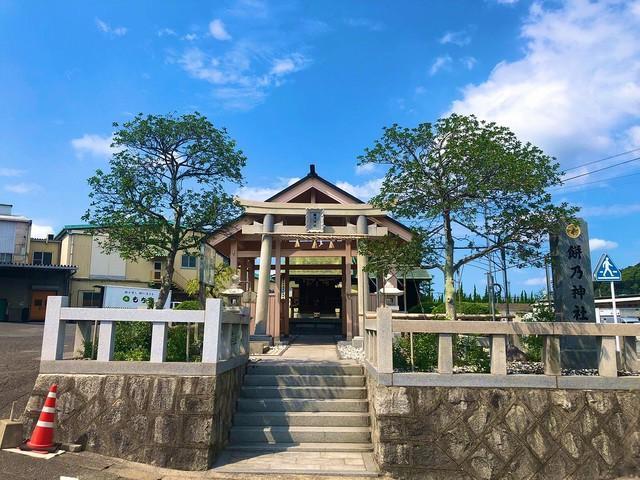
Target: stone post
point(212, 329)
point(630, 354)
point(158, 342)
point(262, 301)
point(551, 355)
point(106, 340)
point(53, 334)
point(445, 353)
point(607, 359)
point(498, 354)
point(384, 339)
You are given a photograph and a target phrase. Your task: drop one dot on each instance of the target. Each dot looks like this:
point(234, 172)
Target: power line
point(602, 159)
point(601, 169)
point(595, 181)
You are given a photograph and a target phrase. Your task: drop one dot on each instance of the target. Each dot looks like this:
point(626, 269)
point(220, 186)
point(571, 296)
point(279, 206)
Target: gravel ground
point(346, 351)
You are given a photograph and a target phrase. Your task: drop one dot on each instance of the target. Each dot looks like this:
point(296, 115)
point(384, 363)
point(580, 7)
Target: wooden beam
point(329, 230)
point(296, 253)
point(330, 209)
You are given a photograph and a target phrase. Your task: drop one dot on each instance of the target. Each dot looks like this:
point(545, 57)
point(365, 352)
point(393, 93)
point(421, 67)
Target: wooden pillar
point(278, 289)
point(287, 300)
point(233, 254)
point(346, 287)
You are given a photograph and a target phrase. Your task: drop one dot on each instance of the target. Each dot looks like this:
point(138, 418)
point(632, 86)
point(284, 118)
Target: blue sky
point(314, 82)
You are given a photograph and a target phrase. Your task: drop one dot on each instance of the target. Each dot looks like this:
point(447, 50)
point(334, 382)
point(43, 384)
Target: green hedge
point(465, 308)
point(467, 352)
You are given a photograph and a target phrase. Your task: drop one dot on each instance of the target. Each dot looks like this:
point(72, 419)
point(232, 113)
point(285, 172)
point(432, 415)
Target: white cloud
point(244, 74)
point(93, 145)
point(104, 27)
point(365, 168)
point(283, 66)
point(190, 37)
point(366, 23)
point(363, 191)
point(444, 61)
point(11, 172)
point(22, 188)
point(469, 62)
point(166, 32)
point(616, 210)
point(460, 38)
point(507, 2)
point(218, 30)
point(41, 231)
point(536, 282)
point(262, 193)
point(577, 83)
point(601, 244)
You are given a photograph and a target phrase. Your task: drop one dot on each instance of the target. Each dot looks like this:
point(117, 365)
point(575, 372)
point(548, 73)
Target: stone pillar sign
point(573, 291)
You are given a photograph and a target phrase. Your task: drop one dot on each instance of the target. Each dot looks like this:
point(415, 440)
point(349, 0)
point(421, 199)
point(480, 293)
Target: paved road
point(20, 345)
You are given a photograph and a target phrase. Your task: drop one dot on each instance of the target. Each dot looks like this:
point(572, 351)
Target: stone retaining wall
point(516, 433)
point(171, 421)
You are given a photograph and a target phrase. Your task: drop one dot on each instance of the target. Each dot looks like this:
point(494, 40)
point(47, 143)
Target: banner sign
point(131, 297)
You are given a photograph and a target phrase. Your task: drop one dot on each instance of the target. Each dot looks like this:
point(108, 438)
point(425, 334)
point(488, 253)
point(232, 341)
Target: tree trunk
point(449, 288)
point(167, 280)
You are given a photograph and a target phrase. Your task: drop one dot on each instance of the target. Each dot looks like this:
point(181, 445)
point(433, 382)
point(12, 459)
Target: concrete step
point(301, 405)
point(302, 447)
point(305, 419)
point(276, 368)
point(303, 392)
point(300, 434)
point(305, 380)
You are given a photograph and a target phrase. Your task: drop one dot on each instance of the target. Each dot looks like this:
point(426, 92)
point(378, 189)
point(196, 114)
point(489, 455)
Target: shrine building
point(297, 257)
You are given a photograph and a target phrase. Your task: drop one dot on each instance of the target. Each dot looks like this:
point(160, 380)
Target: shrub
point(133, 341)
point(425, 352)
point(465, 308)
point(189, 305)
point(468, 352)
point(425, 306)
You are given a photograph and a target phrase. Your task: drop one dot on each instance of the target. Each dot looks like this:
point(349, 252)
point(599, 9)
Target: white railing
point(381, 328)
point(225, 337)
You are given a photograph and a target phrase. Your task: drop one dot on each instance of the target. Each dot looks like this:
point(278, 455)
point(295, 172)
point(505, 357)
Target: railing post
point(445, 353)
point(159, 342)
point(498, 354)
point(384, 345)
point(212, 327)
point(53, 334)
point(630, 354)
point(551, 355)
point(106, 340)
point(607, 361)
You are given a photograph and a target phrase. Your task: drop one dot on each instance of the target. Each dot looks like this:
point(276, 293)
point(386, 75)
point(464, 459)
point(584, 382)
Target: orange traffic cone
point(42, 437)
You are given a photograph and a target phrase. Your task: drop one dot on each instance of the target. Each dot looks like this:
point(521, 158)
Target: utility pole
point(503, 255)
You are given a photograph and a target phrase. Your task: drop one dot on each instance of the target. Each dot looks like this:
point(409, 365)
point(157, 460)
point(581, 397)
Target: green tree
point(472, 176)
point(165, 188)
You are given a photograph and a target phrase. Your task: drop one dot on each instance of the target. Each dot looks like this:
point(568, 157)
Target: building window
point(42, 258)
point(6, 257)
point(91, 299)
point(188, 261)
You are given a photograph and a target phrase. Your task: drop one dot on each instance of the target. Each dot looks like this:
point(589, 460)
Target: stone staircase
point(317, 410)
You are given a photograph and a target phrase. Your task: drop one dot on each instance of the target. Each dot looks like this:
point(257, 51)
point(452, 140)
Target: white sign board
point(131, 297)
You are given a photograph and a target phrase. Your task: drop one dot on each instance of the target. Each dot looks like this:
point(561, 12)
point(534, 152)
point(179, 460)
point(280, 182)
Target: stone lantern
point(390, 294)
point(232, 296)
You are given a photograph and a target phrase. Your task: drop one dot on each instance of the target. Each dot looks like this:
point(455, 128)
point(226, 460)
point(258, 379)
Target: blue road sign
point(606, 270)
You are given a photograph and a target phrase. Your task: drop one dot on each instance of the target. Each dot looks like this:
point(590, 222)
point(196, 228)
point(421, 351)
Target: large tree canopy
point(165, 188)
point(471, 188)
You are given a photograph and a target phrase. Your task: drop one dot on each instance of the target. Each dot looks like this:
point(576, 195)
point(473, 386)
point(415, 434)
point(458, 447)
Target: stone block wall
point(505, 433)
point(170, 421)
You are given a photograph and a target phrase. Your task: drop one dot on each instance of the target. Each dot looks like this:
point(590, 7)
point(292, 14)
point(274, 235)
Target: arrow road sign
point(606, 270)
